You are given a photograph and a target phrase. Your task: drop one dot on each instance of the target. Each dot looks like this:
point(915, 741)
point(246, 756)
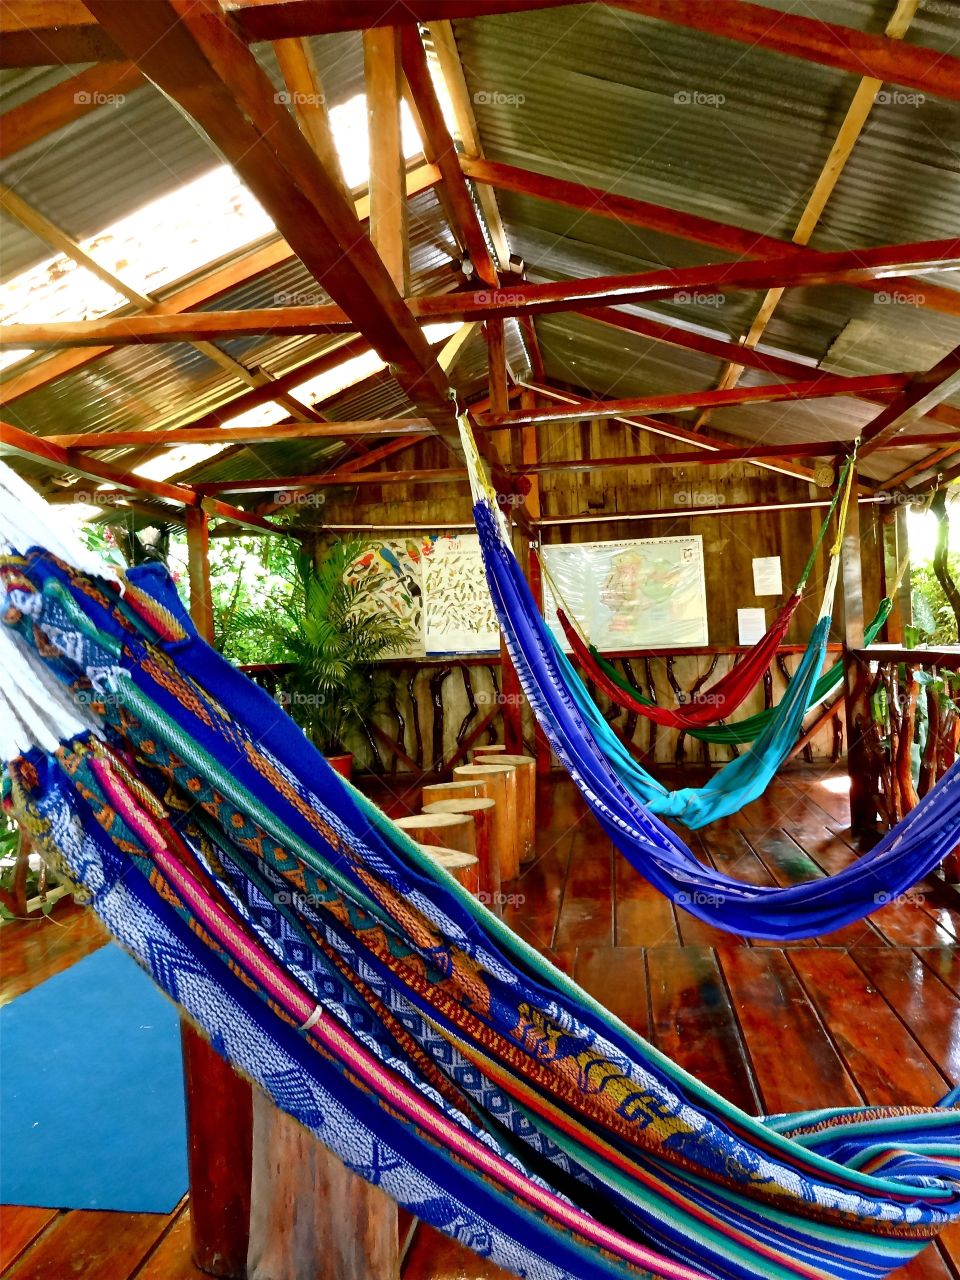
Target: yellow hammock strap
point(845, 501)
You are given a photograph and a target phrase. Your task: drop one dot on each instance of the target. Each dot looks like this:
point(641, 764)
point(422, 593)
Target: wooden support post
point(510, 690)
point(312, 1217)
point(388, 195)
point(219, 1105)
point(863, 813)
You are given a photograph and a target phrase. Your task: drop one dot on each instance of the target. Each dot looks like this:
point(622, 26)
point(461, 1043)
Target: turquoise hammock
point(327, 957)
point(736, 783)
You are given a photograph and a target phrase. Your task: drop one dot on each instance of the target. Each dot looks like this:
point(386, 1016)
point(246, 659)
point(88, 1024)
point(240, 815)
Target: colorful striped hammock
point(326, 956)
point(726, 694)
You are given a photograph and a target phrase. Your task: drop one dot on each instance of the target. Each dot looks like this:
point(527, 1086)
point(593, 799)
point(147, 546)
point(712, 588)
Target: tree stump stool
point(526, 767)
point(449, 830)
point(462, 866)
point(491, 749)
point(482, 811)
point(502, 780)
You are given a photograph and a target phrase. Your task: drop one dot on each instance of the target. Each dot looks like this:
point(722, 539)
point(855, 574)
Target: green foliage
point(249, 579)
point(329, 627)
point(933, 618)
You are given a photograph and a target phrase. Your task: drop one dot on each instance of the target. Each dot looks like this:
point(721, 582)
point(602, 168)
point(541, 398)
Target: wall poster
point(435, 582)
point(637, 593)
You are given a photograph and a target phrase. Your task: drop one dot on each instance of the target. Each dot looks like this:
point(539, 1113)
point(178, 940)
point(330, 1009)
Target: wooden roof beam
point(175, 436)
point(803, 267)
point(923, 392)
point(271, 19)
point(64, 104)
point(194, 54)
point(829, 44)
point(849, 133)
point(246, 266)
point(18, 443)
point(818, 388)
point(673, 222)
point(388, 205)
point(467, 227)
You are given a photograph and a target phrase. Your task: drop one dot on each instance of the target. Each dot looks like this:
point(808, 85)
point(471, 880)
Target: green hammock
point(749, 729)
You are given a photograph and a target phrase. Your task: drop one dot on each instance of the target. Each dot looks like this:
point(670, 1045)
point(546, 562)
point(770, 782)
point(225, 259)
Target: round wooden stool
point(526, 768)
point(462, 866)
point(491, 749)
point(449, 830)
point(502, 780)
point(482, 811)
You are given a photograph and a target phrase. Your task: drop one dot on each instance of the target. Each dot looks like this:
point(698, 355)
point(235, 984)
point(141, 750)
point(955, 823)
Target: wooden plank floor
point(870, 1013)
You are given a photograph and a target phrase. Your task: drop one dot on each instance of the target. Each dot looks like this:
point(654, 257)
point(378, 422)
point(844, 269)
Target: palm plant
point(332, 632)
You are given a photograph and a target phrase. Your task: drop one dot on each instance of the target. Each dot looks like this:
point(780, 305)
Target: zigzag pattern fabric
point(443, 1059)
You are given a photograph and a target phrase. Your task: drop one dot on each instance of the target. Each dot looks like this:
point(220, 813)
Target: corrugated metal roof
point(593, 95)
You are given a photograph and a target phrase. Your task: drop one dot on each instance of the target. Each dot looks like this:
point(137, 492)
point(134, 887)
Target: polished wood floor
point(868, 1014)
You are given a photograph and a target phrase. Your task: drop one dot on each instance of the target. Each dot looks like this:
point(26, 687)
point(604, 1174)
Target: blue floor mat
point(91, 1099)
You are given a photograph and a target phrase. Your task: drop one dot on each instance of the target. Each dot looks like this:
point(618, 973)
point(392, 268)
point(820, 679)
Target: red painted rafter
point(191, 52)
point(674, 222)
point(923, 392)
point(812, 39)
point(22, 444)
point(800, 267)
point(818, 388)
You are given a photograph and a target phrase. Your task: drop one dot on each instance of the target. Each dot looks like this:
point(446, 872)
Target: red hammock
point(716, 703)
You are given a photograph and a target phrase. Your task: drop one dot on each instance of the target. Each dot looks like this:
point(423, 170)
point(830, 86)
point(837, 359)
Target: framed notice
point(639, 593)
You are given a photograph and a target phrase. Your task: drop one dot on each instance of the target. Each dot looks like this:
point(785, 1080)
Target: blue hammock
point(584, 744)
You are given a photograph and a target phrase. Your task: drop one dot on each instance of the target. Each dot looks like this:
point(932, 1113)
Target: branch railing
point(905, 723)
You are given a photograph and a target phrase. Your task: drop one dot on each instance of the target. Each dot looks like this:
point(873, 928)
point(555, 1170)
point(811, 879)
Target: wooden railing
point(438, 708)
point(903, 705)
point(435, 711)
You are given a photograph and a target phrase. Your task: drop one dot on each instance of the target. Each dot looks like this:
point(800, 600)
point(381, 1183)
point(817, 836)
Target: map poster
point(458, 614)
point(640, 593)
